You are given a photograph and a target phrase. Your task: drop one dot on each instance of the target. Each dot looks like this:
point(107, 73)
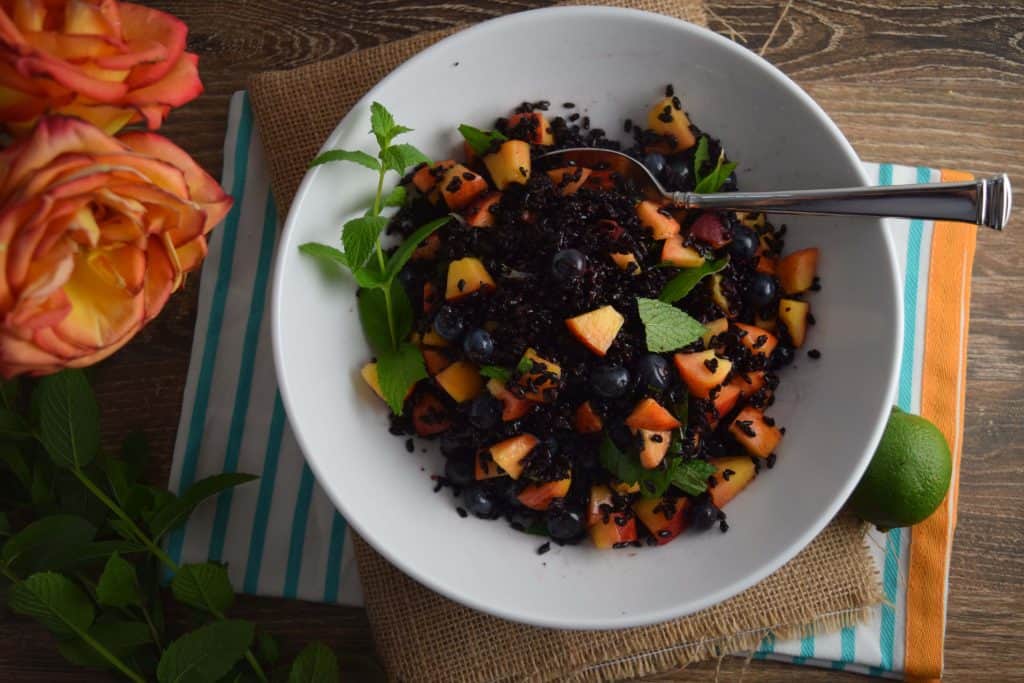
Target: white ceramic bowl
point(612, 63)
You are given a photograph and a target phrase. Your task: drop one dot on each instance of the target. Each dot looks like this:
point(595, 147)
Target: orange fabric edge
point(943, 386)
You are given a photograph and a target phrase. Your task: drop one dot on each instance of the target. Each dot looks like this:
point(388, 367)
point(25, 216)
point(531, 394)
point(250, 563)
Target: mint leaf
point(55, 601)
point(397, 130)
point(382, 123)
point(496, 372)
point(47, 543)
point(397, 371)
point(713, 181)
point(700, 157)
point(627, 468)
point(315, 664)
point(176, 510)
point(400, 157)
point(667, 327)
point(373, 314)
point(691, 476)
point(359, 237)
point(206, 654)
point(118, 585)
point(324, 253)
point(120, 637)
point(69, 418)
point(204, 586)
point(480, 141)
point(404, 252)
point(369, 278)
point(683, 283)
point(356, 157)
point(396, 197)
point(401, 311)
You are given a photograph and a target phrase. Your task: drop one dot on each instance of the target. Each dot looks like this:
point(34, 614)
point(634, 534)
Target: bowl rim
point(669, 612)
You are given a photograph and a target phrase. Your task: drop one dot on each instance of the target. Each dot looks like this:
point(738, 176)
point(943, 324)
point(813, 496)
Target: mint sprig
point(384, 308)
point(713, 181)
point(683, 283)
point(690, 476)
point(480, 141)
point(667, 328)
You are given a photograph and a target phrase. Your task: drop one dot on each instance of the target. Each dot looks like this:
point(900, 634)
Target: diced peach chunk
point(465, 276)
point(541, 379)
point(665, 518)
point(512, 407)
point(460, 186)
point(369, 373)
point(461, 380)
point(702, 371)
point(586, 421)
point(617, 530)
point(793, 315)
point(657, 219)
point(428, 249)
point(713, 329)
point(480, 213)
point(430, 298)
point(429, 416)
point(758, 341)
point(569, 179)
point(484, 467)
point(673, 251)
point(651, 415)
point(627, 261)
point(749, 383)
point(718, 295)
point(510, 164)
point(753, 433)
point(797, 270)
point(539, 496)
point(435, 360)
point(724, 401)
point(599, 495)
point(539, 128)
point(426, 178)
point(597, 329)
point(509, 454)
point(742, 472)
point(654, 446)
point(671, 122)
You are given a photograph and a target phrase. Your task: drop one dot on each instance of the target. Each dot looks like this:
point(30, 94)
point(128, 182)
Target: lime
point(908, 476)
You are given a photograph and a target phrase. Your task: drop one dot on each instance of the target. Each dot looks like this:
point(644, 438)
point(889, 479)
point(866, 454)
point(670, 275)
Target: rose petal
point(72, 47)
point(134, 54)
point(69, 76)
point(29, 15)
point(191, 254)
point(161, 277)
point(123, 267)
point(35, 308)
point(85, 18)
point(101, 312)
point(146, 25)
point(19, 356)
point(178, 86)
point(108, 118)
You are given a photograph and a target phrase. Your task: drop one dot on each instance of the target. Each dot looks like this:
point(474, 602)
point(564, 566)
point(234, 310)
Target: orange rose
point(107, 62)
point(95, 235)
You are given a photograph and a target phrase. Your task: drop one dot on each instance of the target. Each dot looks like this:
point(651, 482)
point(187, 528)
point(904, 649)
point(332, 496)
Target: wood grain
point(928, 82)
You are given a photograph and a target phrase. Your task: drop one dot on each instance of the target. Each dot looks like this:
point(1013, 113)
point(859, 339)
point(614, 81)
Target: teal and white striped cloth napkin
point(282, 537)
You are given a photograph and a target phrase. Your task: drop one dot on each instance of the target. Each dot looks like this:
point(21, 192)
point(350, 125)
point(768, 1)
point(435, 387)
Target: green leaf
point(205, 654)
point(400, 157)
point(359, 237)
point(700, 157)
point(87, 554)
point(683, 283)
point(396, 197)
point(267, 647)
point(46, 543)
point(69, 418)
point(13, 425)
point(356, 157)
point(373, 314)
point(691, 476)
point(204, 586)
point(369, 278)
point(399, 130)
point(382, 124)
point(176, 510)
point(118, 585)
point(713, 181)
point(120, 637)
point(405, 251)
point(55, 601)
point(667, 327)
point(11, 455)
point(401, 310)
point(397, 371)
point(315, 664)
point(496, 372)
point(627, 468)
point(41, 490)
point(480, 141)
point(324, 253)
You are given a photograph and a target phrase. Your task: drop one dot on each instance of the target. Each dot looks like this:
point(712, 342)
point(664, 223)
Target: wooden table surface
point(929, 82)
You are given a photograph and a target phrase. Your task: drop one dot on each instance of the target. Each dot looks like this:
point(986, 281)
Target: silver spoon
point(982, 202)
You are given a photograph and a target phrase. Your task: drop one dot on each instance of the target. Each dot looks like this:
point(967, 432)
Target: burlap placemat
point(422, 636)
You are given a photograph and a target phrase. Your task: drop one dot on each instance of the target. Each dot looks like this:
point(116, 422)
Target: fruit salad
point(601, 366)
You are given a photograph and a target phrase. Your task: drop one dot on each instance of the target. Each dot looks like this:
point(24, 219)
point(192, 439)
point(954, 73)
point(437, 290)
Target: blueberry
point(781, 357)
point(459, 471)
point(521, 518)
point(565, 524)
point(455, 443)
point(730, 184)
point(653, 371)
point(449, 323)
point(679, 171)
point(610, 381)
point(484, 411)
point(508, 491)
point(761, 290)
point(744, 243)
point(621, 435)
point(655, 163)
point(478, 345)
point(479, 501)
point(568, 264)
point(703, 515)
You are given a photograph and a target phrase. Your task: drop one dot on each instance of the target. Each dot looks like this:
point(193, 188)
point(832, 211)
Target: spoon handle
point(982, 202)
